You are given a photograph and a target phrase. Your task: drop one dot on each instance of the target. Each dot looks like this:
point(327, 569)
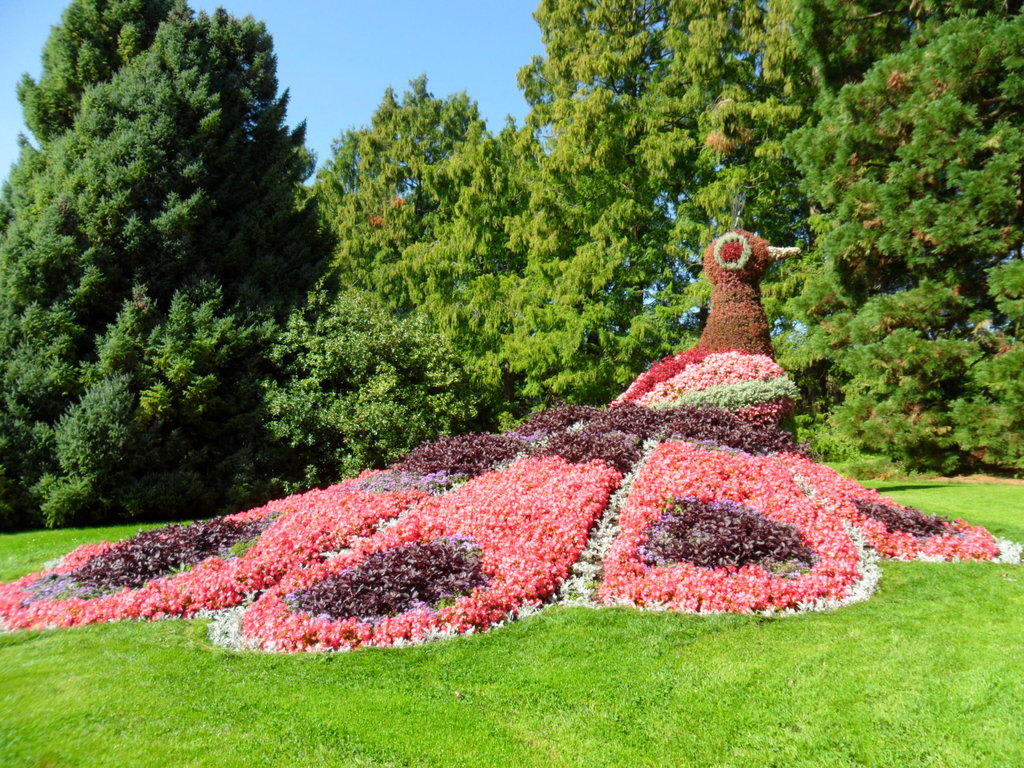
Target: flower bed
point(725, 515)
point(723, 534)
point(298, 529)
point(754, 387)
point(396, 580)
point(734, 381)
point(849, 500)
point(530, 522)
point(696, 423)
point(715, 370)
point(683, 470)
point(663, 370)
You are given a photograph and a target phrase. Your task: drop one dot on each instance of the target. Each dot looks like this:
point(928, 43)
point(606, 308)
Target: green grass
point(926, 673)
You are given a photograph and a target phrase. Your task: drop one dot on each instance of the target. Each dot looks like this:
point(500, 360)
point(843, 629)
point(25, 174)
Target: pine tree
point(914, 318)
point(151, 238)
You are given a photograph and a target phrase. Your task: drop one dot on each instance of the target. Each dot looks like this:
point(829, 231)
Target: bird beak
point(778, 254)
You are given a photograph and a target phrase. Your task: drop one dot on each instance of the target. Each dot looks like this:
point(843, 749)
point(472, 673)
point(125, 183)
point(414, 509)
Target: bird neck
point(737, 321)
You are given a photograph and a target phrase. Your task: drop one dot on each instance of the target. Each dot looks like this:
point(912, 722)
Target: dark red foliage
point(396, 580)
point(465, 455)
point(717, 534)
point(909, 520)
point(737, 320)
point(695, 423)
point(616, 449)
point(634, 419)
point(151, 554)
point(714, 425)
point(555, 419)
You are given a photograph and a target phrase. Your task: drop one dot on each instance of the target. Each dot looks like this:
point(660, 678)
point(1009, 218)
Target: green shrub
point(357, 388)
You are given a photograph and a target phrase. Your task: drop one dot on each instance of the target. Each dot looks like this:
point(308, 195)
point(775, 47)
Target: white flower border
point(580, 587)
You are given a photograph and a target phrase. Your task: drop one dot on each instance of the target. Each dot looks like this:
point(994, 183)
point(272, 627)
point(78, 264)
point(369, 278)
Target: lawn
point(926, 673)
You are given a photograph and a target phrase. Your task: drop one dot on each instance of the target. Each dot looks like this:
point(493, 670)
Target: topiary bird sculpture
point(684, 494)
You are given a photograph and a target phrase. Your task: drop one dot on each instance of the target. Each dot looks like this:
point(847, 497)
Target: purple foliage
point(634, 419)
point(615, 435)
point(617, 449)
point(396, 580)
point(59, 586)
point(400, 480)
point(909, 520)
point(465, 455)
point(151, 554)
point(701, 424)
point(714, 425)
point(716, 534)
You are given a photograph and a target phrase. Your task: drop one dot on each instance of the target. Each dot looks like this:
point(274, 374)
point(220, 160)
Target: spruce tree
point(153, 234)
point(94, 39)
point(914, 319)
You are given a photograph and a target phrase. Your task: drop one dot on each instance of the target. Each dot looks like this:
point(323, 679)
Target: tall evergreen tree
point(151, 238)
point(418, 203)
point(380, 192)
point(840, 40)
point(561, 257)
point(914, 320)
point(94, 39)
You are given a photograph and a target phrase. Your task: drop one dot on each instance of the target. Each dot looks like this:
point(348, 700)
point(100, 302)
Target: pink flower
point(530, 521)
point(306, 525)
point(714, 370)
point(761, 482)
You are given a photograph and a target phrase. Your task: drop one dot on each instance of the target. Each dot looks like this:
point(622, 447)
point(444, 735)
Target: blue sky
point(336, 58)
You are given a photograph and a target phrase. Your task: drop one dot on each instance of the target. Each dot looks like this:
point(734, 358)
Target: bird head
point(740, 256)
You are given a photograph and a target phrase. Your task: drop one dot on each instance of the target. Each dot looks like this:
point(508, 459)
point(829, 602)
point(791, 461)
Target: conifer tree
point(915, 317)
point(152, 235)
point(418, 202)
point(560, 257)
point(380, 192)
point(840, 40)
point(94, 39)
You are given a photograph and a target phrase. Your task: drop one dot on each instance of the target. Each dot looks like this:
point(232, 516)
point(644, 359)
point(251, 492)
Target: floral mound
point(298, 529)
point(529, 521)
point(683, 470)
point(753, 387)
point(685, 507)
point(889, 528)
point(396, 580)
point(684, 494)
point(723, 534)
